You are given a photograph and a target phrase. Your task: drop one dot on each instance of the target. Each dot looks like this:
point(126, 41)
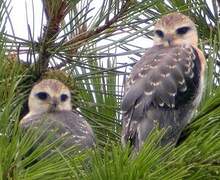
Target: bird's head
point(175, 29)
point(49, 95)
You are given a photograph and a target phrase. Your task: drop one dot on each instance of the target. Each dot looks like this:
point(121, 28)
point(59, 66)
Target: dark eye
point(159, 33)
point(63, 97)
point(42, 95)
point(182, 30)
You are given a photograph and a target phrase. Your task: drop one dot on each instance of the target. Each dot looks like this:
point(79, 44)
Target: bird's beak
point(168, 40)
point(53, 105)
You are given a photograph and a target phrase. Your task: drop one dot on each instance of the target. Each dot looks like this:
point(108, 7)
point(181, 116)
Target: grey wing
point(159, 84)
point(31, 121)
point(77, 131)
point(81, 133)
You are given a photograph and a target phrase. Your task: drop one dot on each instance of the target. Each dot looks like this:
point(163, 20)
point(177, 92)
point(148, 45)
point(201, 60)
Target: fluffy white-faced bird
point(50, 105)
point(165, 86)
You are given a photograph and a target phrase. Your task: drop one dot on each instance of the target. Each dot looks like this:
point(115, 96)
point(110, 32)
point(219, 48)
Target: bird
point(50, 109)
point(165, 86)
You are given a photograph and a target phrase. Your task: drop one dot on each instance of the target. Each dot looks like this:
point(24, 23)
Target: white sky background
point(19, 19)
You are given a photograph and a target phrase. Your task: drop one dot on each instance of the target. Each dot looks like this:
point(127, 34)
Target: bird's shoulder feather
point(163, 81)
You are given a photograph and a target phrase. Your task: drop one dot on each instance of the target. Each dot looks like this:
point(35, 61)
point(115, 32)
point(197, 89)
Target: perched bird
point(165, 86)
point(50, 107)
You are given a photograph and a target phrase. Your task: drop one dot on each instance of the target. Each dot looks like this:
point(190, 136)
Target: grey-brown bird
point(50, 107)
point(165, 87)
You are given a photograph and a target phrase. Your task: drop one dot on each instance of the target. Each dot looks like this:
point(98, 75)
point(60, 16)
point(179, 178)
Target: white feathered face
point(49, 96)
point(175, 29)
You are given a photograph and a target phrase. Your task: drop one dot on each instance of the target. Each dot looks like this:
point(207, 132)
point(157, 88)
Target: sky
point(22, 12)
point(19, 18)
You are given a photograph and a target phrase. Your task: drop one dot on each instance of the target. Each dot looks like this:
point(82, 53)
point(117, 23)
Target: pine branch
point(76, 41)
point(55, 12)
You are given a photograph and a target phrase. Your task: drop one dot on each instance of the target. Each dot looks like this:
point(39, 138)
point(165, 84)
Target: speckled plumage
point(165, 86)
point(56, 115)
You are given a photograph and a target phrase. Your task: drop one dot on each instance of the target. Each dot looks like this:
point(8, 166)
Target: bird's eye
point(159, 33)
point(63, 97)
point(42, 95)
point(182, 30)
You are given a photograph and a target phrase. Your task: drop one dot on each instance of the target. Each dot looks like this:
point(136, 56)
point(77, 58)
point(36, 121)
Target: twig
point(50, 34)
point(86, 35)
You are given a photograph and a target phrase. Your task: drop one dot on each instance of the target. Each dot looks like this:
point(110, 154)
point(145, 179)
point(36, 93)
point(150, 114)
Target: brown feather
point(160, 94)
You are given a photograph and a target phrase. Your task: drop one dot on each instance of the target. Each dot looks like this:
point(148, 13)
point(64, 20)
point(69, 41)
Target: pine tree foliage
point(91, 43)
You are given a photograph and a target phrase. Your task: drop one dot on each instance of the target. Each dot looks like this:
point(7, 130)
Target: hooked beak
point(168, 40)
point(53, 105)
